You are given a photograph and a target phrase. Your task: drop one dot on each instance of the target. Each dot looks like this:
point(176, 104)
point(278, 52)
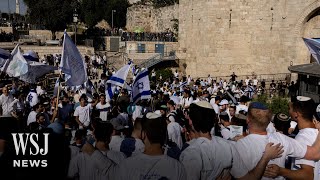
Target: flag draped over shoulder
point(35, 71)
point(4, 55)
point(16, 65)
point(120, 76)
point(314, 48)
point(72, 63)
point(141, 87)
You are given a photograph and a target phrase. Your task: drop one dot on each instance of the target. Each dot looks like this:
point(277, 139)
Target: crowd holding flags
point(26, 67)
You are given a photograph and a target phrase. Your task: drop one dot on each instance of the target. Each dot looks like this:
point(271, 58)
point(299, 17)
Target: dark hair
point(155, 129)
point(305, 108)
point(203, 119)
point(171, 102)
point(80, 134)
point(281, 125)
point(39, 115)
point(103, 132)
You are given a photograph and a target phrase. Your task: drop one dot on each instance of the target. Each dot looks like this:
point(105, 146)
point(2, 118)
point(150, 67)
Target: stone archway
point(305, 16)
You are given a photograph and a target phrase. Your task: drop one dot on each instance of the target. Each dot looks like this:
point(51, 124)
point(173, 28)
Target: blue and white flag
point(35, 71)
point(120, 76)
point(4, 55)
point(141, 87)
point(314, 48)
point(110, 90)
point(72, 63)
point(31, 56)
point(16, 65)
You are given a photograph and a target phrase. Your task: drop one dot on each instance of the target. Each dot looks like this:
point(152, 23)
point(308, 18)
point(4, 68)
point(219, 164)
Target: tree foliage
point(120, 16)
point(275, 104)
point(163, 3)
point(53, 15)
point(93, 11)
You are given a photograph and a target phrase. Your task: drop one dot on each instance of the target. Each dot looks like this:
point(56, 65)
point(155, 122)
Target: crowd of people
point(198, 129)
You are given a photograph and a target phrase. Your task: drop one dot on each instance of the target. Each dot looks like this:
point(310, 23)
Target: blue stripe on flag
point(3, 56)
point(110, 93)
point(30, 58)
point(142, 75)
point(116, 79)
point(144, 93)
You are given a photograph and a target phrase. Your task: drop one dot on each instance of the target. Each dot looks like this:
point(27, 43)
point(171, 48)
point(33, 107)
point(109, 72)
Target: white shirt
point(143, 166)
point(307, 137)
point(271, 128)
point(251, 149)
point(176, 74)
point(293, 124)
point(32, 117)
point(216, 108)
point(103, 109)
point(174, 133)
point(255, 82)
point(186, 101)
point(84, 114)
point(241, 107)
point(247, 81)
point(115, 143)
point(32, 98)
point(85, 166)
point(6, 103)
point(40, 91)
point(209, 158)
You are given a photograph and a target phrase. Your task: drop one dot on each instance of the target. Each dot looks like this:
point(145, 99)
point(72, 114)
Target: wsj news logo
point(22, 141)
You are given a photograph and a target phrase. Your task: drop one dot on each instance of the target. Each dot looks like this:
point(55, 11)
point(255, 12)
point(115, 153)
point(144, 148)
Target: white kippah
point(152, 115)
point(303, 98)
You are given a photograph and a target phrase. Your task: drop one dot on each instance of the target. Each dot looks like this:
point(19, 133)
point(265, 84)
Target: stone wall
point(151, 19)
point(245, 36)
point(6, 29)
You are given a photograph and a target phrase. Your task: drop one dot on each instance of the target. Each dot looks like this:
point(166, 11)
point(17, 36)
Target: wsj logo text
point(31, 140)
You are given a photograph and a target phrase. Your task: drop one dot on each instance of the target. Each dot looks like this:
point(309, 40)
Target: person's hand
point(224, 176)
point(273, 151)
point(272, 171)
point(238, 137)
point(88, 148)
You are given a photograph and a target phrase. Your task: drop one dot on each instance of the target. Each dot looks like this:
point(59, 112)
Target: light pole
point(75, 20)
point(113, 11)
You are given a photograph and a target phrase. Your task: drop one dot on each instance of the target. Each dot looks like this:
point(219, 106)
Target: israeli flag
point(120, 76)
point(31, 56)
point(72, 63)
point(109, 91)
point(36, 70)
point(16, 65)
point(314, 48)
point(4, 55)
point(141, 87)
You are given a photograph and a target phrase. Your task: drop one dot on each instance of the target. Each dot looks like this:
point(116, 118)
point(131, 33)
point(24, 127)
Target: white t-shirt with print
point(209, 158)
point(307, 137)
point(252, 147)
point(84, 114)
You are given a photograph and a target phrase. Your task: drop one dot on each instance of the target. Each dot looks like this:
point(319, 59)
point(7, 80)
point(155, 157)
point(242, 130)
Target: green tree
point(53, 15)
point(120, 16)
point(93, 11)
